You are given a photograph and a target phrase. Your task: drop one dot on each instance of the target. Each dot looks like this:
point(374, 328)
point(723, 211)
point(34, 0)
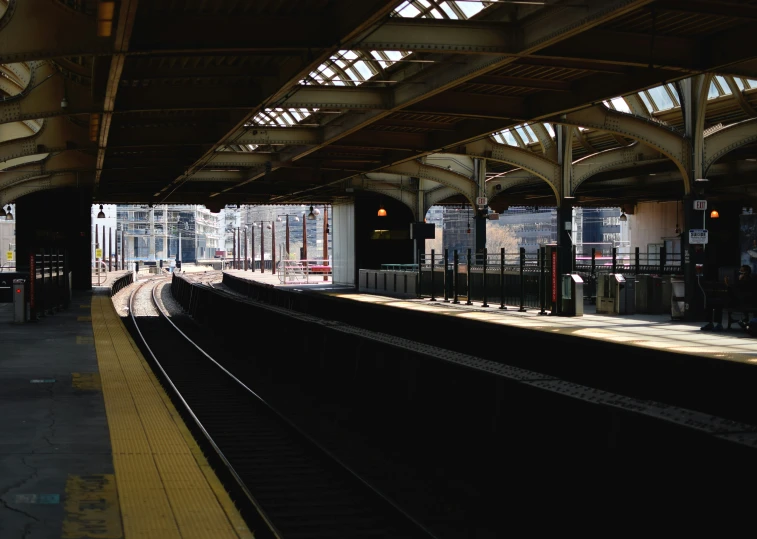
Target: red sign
point(32, 278)
point(554, 276)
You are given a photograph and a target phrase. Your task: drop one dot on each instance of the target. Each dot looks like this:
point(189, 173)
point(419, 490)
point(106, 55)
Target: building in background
point(153, 233)
point(8, 238)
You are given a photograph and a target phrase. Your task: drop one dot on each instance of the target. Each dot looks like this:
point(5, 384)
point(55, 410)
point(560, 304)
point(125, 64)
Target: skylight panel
point(723, 85)
point(407, 10)
point(620, 104)
point(519, 129)
point(531, 133)
point(647, 101)
point(713, 92)
point(752, 83)
point(661, 98)
point(449, 11)
point(740, 83)
point(470, 8)
point(550, 129)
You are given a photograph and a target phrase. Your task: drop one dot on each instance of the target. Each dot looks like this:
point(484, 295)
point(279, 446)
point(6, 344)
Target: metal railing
point(303, 271)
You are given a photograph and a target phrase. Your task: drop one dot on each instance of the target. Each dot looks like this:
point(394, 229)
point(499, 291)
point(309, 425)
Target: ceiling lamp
point(311, 215)
point(9, 214)
point(101, 213)
point(381, 211)
point(623, 218)
point(714, 214)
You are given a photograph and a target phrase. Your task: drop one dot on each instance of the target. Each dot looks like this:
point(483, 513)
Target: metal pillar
point(468, 279)
point(433, 260)
point(446, 270)
point(304, 237)
point(245, 248)
point(273, 246)
point(262, 248)
point(483, 277)
point(502, 279)
point(456, 266)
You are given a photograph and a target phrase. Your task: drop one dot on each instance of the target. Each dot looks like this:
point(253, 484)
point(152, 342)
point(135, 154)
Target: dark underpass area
point(475, 430)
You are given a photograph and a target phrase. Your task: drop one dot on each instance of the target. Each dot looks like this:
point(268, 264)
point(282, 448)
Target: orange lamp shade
point(714, 214)
point(382, 212)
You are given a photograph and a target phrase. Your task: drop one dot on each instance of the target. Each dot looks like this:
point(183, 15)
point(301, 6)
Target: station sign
point(481, 201)
point(700, 205)
point(698, 236)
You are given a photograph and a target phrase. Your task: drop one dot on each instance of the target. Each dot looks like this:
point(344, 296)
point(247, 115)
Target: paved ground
point(56, 471)
point(642, 330)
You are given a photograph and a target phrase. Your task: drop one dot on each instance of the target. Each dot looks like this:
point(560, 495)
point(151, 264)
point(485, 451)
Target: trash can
point(19, 301)
point(572, 295)
point(677, 299)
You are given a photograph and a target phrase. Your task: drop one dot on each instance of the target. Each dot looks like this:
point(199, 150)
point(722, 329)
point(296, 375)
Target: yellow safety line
point(163, 488)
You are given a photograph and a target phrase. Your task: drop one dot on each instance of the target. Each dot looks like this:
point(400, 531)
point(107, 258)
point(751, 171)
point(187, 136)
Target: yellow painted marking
point(85, 306)
point(84, 340)
point(86, 381)
point(83, 318)
point(92, 509)
point(165, 490)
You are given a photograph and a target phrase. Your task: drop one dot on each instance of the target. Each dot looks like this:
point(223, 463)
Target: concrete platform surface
point(56, 470)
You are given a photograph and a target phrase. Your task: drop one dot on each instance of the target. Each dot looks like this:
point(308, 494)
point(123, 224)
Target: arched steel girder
point(434, 196)
point(414, 169)
point(548, 146)
point(43, 95)
point(19, 72)
point(547, 170)
point(56, 135)
point(585, 168)
point(500, 185)
point(16, 130)
point(42, 183)
point(661, 138)
point(56, 164)
point(23, 160)
point(38, 29)
point(461, 164)
point(721, 142)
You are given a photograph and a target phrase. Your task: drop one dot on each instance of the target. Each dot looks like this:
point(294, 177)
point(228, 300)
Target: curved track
point(298, 488)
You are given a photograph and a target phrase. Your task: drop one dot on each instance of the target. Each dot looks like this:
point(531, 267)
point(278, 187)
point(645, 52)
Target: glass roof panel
point(620, 104)
point(647, 102)
point(740, 83)
point(713, 93)
point(531, 133)
point(523, 134)
point(724, 85)
point(752, 83)
point(550, 130)
point(661, 98)
point(453, 9)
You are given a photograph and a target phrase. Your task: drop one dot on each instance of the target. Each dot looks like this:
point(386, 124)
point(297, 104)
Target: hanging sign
point(481, 201)
point(98, 253)
point(700, 205)
point(9, 255)
point(698, 236)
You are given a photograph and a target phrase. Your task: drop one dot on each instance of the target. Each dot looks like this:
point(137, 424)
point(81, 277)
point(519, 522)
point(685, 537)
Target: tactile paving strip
point(165, 487)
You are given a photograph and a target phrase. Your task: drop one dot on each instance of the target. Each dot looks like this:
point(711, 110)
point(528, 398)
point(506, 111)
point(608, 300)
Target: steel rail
point(188, 408)
point(333, 458)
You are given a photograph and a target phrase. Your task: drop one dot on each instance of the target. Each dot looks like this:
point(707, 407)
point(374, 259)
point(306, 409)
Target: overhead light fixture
point(101, 214)
point(714, 214)
point(623, 218)
point(9, 214)
point(381, 211)
point(105, 12)
point(311, 215)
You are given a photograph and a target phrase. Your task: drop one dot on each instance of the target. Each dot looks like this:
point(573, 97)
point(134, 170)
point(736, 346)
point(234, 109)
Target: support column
point(262, 247)
point(304, 237)
point(564, 135)
point(479, 176)
point(693, 95)
point(151, 253)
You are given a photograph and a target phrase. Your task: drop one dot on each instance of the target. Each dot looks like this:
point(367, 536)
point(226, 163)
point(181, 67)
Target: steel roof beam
point(40, 29)
point(338, 97)
point(56, 135)
point(241, 159)
point(276, 136)
point(443, 36)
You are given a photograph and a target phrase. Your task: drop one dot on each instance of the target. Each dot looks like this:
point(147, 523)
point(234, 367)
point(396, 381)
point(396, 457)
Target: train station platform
point(92, 446)
point(645, 331)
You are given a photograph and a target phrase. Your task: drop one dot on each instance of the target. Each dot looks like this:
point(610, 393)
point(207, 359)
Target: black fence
point(47, 280)
point(121, 283)
point(522, 279)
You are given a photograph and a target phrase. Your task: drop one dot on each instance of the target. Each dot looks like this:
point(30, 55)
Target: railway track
point(297, 488)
